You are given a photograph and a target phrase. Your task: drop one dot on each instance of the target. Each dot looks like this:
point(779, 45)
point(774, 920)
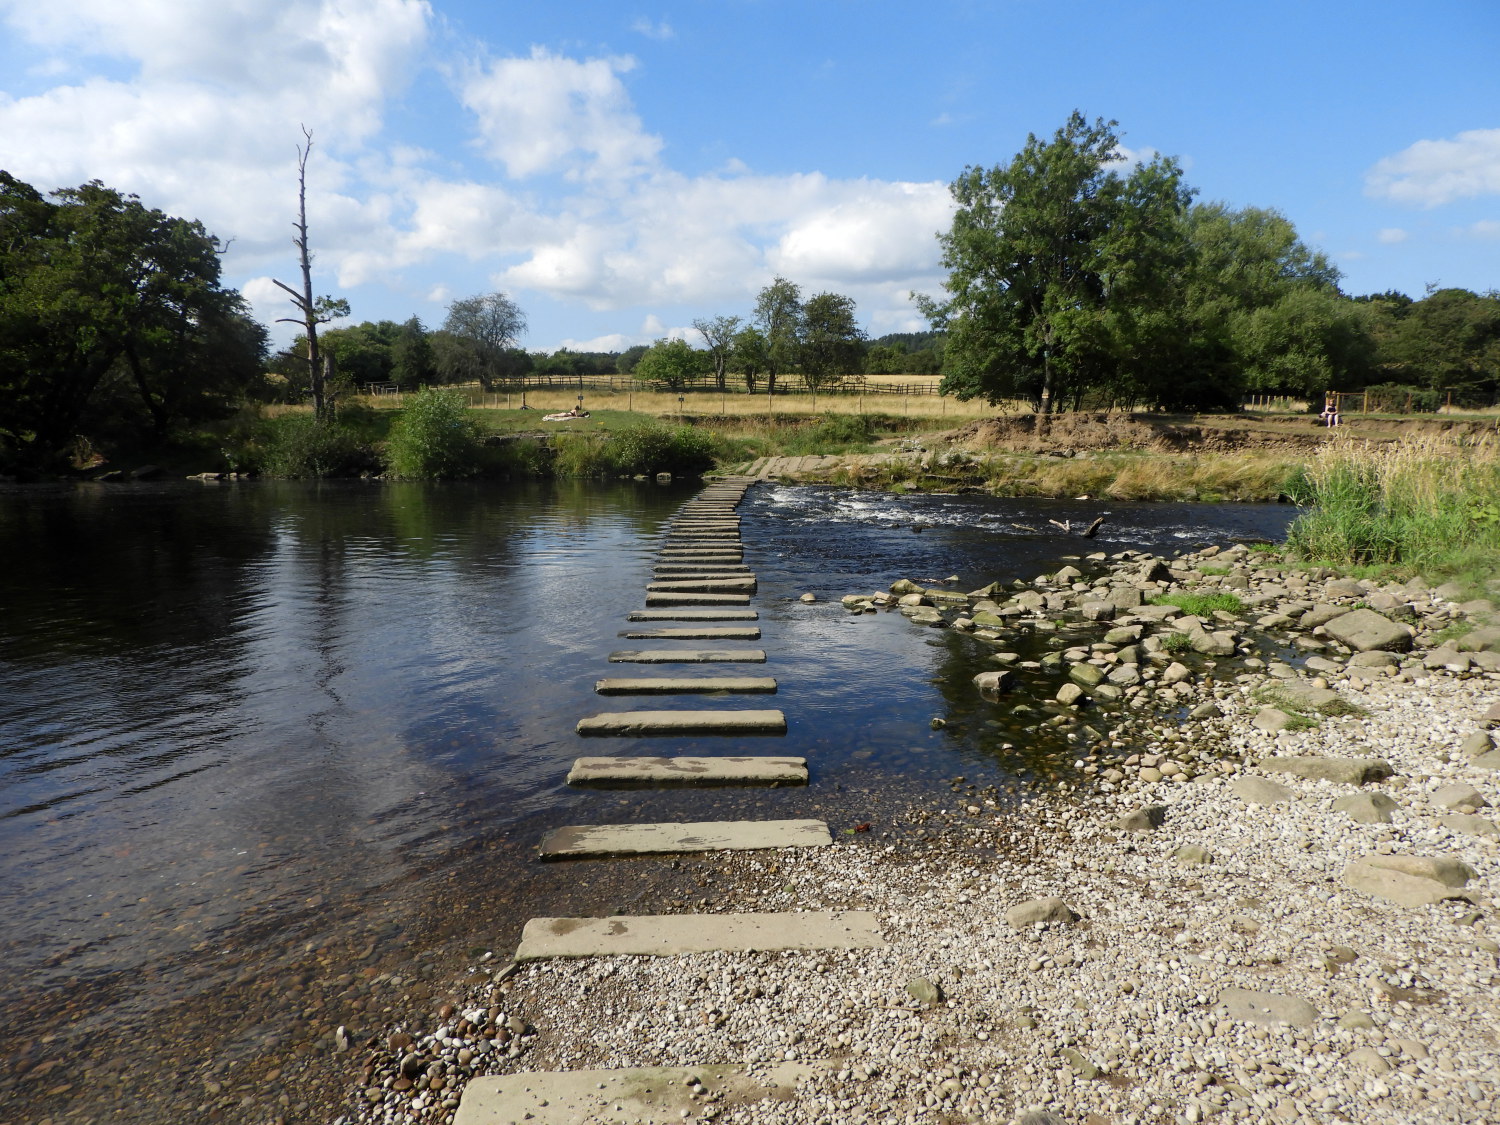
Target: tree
point(113, 321)
point(486, 327)
point(1047, 256)
point(718, 333)
point(1448, 341)
point(832, 341)
point(673, 362)
point(749, 354)
point(778, 315)
point(413, 361)
point(314, 310)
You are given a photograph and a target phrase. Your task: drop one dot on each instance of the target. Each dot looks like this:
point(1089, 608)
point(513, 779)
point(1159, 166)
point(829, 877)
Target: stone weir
point(701, 591)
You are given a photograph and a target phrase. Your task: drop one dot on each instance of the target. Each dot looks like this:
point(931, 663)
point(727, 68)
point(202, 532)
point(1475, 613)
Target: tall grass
point(1430, 505)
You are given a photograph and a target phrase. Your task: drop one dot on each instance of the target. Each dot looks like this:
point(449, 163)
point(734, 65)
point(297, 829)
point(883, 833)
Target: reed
point(1429, 505)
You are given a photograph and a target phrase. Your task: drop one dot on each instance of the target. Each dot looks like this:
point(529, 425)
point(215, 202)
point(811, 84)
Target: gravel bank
point(1352, 1008)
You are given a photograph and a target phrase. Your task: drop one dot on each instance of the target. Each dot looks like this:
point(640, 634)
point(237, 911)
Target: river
point(262, 741)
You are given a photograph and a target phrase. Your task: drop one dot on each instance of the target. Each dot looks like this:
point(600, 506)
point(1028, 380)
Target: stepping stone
point(700, 576)
point(697, 633)
point(665, 935)
point(648, 1095)
point(686, 685)
point(723, 554)
point(688, 656)
point(695, 561)
point(693, 615)
point(666, 570)
point(697, 599)
point(623, 773)
point(648, 723)
point(602, 840)
point(745, 585)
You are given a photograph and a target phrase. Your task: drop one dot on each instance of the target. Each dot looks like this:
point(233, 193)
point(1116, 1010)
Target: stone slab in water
point(619, 773)
point(643, 1095)
point(630, 724)
point(690, 614)
point(666, 935)
point(667, 569)
point(697, 633)
point(697, 599)
point(723, 554)
point(686, 685)
point(688, 656)
point(578, 841)
point(699, 575)
point(736, 585)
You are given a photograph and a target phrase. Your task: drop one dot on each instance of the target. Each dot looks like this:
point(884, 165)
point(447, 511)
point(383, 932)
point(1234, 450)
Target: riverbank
point(1217, 951)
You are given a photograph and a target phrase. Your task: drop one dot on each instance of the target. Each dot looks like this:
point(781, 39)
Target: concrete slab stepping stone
point(699, 575)
point(577, 841)
point(745, 585)
point(1348, 771)
point(681, 567)
point(689, 656)
point(1260, 791)
point(693, 615)
point(669, 934)
point(624, 773)
point(628, 724)
point(643, 1095)
point(697, 633)
point(686, 685)
point(661, 599)
point(1408, 880)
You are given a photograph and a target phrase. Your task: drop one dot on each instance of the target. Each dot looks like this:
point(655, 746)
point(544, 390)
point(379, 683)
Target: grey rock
point(924, 991)
point(1213, 644)
point(1269, 1008)
point(1364, 630)
point(1367, 1058)
point(1273, 720)
point(1175, 673)
point(1085, 674)
point(993, 683)
point(1097, 611)
point(1108, 692)
point(1467, 825)
point(1193, 854)
point(1476, 744)
point(1321, 615)
point(1345, 588)
point(1356, 1021)
point(1080, 1064)
point(1490, 761)
point(1346, 771)
point(1459, 794)
point(1373, 659)
point(1208, 710)
point(1041, 1117)
point(1067, 575)
point(1050, 909)
point(1255, 790)
point(1366, 808)
point(1123, 635)
point(1124, 675)
point(1148, 819)
point(1486, 637)
point(1408, 880)
point(1070, 695)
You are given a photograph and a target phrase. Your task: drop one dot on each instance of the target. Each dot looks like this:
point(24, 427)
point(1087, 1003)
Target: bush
point(434, 438)
point(832, 433)
point(299, 445)
point(650, 448)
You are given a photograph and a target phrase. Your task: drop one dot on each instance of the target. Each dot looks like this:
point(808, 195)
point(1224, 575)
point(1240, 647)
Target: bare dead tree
point(314, 310)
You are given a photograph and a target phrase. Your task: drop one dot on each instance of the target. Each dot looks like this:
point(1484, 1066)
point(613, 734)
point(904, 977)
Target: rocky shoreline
point(1266, 894)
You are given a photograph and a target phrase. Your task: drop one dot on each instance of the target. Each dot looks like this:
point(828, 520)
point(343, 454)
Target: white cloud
point(1392, 235)
point(1484, 228)
point(642, 26)
point(1431, 173)
point(550, 113)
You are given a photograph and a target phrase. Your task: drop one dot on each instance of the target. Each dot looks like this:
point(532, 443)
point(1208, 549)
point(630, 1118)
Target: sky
point(620, 170)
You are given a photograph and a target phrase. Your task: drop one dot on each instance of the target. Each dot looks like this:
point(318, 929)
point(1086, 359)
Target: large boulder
point(1255, 790)
point(1409, 880)
point(1347, 771)
point(1249, 1006)
point(1049, 909)
point(1366, 808)
point(1364, 630)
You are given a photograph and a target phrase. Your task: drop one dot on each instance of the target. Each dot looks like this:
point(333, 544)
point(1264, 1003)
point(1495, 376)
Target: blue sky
point(622, 169)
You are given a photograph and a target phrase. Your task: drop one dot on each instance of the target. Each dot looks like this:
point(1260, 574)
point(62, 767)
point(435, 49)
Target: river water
point(253, 735)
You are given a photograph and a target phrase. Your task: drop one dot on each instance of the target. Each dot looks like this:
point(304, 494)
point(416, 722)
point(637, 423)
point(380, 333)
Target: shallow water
point(242, 726)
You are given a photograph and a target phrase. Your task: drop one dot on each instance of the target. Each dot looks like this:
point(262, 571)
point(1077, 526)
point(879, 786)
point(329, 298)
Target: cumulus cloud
point(1431, 173)
point(550, 113)
point(1392, 235)
point(642, 26)
point(1485, 228)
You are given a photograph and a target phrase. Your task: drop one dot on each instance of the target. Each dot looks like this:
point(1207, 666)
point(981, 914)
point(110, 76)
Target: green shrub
point(1202, 605)
point(1176, 642)
point(299, 445)
point(649, 448)
point(434, 438)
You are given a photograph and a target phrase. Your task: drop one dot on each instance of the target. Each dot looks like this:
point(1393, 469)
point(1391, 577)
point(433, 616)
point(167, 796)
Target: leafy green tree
point(832, 341)
point(672, 362)
point(1048, 258)
point(434, 438)
point(778, 315)
point(363, 353)
point(413, 360)
point(102, 298)
point(718, 333)
point(749, 356)
point(1448, 341)
point(630, 357)
point(483, 330)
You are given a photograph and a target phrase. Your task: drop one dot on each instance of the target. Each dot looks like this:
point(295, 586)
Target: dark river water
point(261, 731)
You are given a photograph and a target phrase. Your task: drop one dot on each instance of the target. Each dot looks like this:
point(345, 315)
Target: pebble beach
point(1265, 892)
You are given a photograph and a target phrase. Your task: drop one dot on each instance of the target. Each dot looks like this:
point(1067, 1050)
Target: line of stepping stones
point(700, 578)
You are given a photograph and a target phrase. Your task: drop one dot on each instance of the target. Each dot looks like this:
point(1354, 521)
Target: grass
point(1202, 605)
point(1176, 642)
point(1429, 506)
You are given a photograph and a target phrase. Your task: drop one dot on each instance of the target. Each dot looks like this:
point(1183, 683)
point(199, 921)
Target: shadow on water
point(266, 748)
